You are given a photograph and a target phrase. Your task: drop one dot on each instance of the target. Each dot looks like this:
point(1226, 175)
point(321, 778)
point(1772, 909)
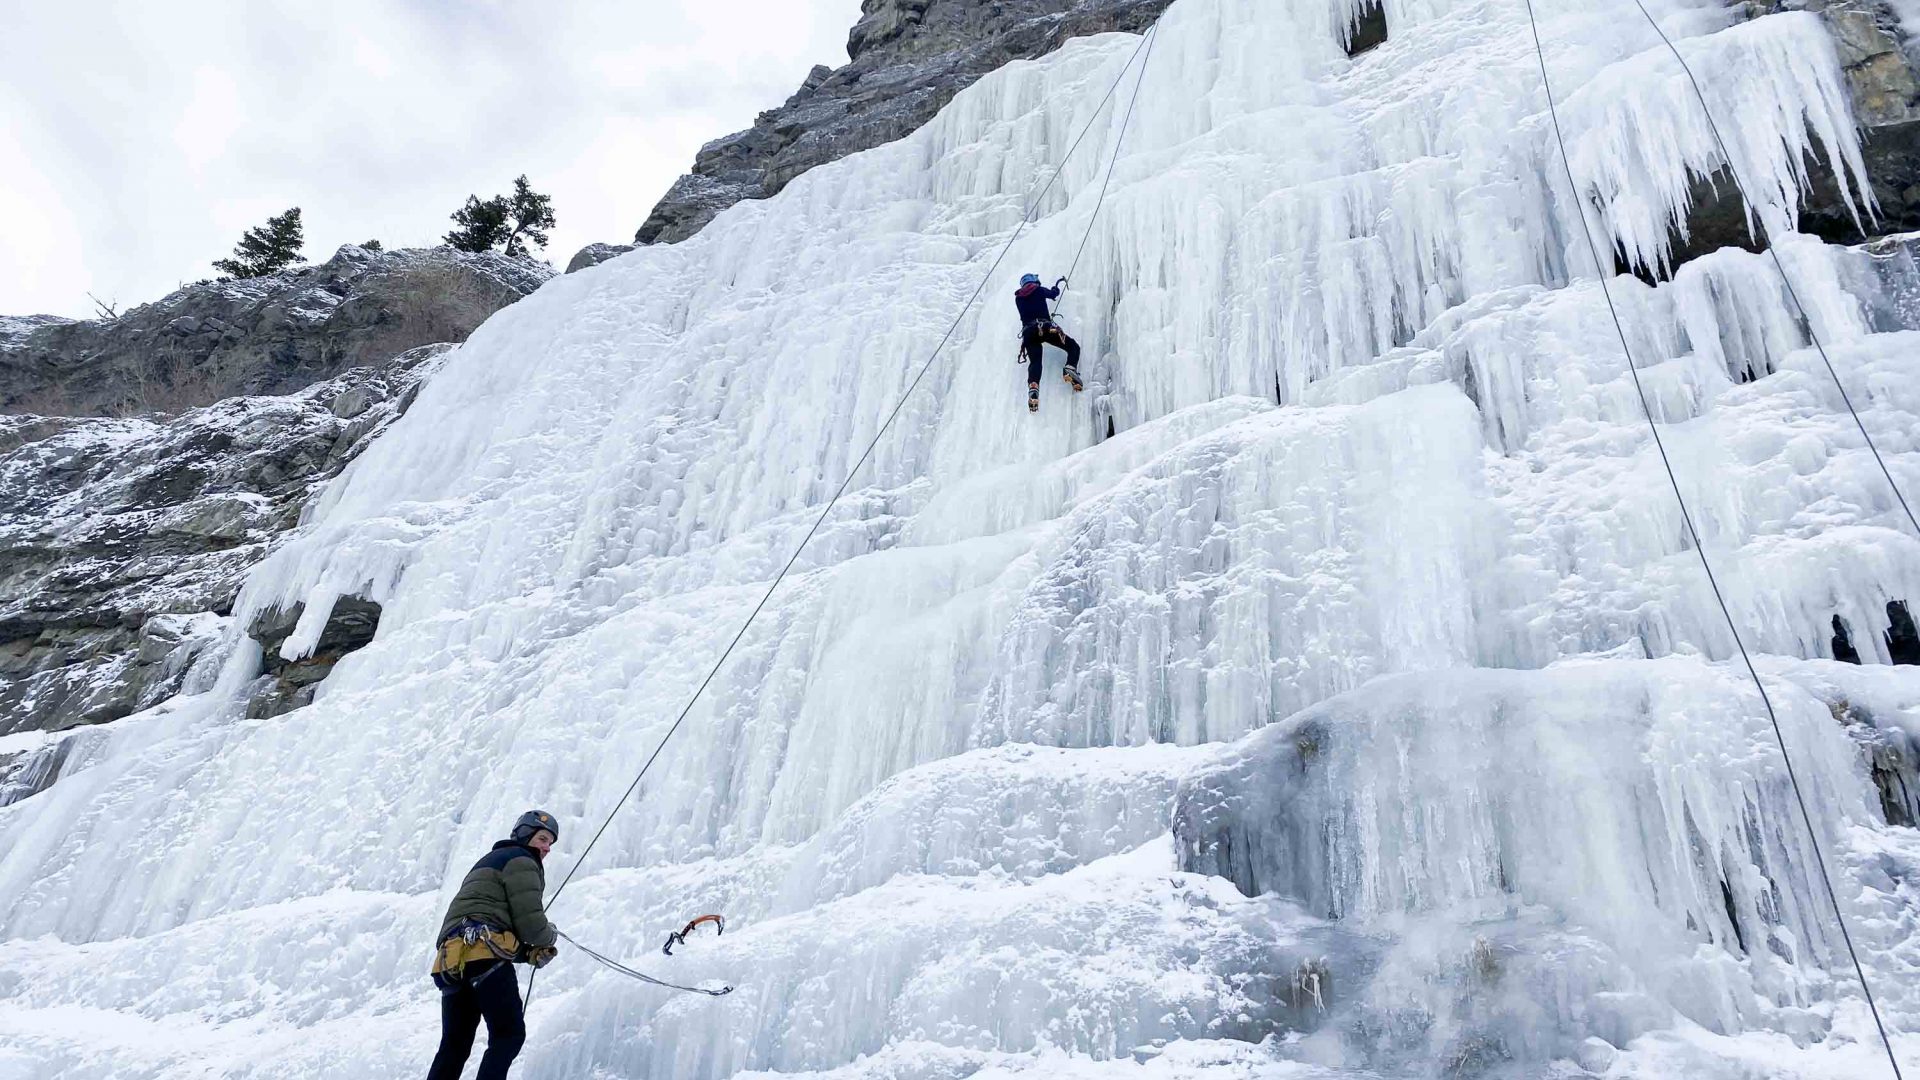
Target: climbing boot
point(1033, 397)
point(1073, 379)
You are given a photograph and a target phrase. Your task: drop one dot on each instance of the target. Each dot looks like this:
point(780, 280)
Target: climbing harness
point(1693, 532)
point(472, 940)
point(1032, 207)
point(1051, 322)
point(616, 966)
point(679, 937)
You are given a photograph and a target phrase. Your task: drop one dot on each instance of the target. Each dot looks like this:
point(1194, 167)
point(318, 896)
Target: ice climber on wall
point(496, 920)
point(1038, 331)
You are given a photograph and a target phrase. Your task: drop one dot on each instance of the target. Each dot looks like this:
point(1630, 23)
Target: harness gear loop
point(471, 940)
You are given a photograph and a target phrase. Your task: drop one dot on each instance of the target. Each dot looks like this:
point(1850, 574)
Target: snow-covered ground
point(1357, 710)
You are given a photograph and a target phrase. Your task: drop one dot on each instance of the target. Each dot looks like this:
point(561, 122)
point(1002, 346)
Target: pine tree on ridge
point(504, 222)
point(265, 249)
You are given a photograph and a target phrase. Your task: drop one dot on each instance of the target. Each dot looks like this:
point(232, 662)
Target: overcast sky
point(139, 139)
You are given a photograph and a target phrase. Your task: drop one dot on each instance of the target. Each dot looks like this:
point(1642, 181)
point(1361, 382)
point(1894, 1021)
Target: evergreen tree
point(504, 222)
point(532, 217)
point(266, 249)
point(373, 245)
point(482, 224)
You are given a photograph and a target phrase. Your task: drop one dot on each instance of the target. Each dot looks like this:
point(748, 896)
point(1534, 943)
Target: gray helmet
point(532, 822)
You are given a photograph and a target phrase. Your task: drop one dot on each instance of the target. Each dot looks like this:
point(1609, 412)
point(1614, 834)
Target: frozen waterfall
point(1356, 708)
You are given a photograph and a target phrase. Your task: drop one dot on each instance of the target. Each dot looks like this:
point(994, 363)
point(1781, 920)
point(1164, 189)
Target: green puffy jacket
point(505, 890)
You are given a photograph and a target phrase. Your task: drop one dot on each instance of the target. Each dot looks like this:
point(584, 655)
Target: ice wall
point(1004, 780)
point(1604, 792)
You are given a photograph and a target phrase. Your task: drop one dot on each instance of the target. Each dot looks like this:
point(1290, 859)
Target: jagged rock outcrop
point(123, 542)
point(594, 255)
point(287, 685)
point(259, 336)
point(136, 489)
point(14, 329)
point(909, 58)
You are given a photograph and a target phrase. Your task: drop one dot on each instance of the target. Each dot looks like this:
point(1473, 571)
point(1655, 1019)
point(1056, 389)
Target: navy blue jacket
point(1032, 301)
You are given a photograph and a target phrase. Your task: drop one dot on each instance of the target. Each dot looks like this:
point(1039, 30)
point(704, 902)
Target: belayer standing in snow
point(1038, 331)
point(496, 920)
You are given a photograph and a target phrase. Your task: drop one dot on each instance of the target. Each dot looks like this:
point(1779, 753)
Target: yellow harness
point(471, 941)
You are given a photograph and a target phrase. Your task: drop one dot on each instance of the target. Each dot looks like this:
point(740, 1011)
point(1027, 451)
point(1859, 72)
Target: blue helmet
point(1030, 279)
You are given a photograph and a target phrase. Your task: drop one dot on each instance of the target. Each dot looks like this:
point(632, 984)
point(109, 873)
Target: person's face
point(541, 842)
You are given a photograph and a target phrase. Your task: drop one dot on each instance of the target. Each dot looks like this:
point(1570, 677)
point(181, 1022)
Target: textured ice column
point(1792, 505)
point(1284, 559)
point(1641, 805)
point(1639, 138)
point(1018, 810)
point(1796, 515)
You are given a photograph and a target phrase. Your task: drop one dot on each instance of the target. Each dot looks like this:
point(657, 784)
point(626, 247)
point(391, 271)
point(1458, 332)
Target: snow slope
point(1375, 606)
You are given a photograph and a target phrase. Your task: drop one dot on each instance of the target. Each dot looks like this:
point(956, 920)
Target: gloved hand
point(542, 955)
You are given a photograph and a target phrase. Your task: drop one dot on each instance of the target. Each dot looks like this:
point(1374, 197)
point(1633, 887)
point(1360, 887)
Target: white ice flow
point(1329, 691)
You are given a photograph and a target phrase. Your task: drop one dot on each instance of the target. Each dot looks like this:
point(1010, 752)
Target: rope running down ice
point(1031, 208)
point(1113, 161)
point(1699, 548)
point(1785, 278)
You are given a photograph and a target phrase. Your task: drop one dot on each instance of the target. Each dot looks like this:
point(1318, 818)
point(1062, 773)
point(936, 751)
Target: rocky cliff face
point(269, 335)
point(909, 58)
point(124, 541)
point(124, 538)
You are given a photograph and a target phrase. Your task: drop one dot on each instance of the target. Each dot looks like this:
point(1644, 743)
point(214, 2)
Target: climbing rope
point(617, 966)
point(1785, 278)
point(1700, 548)
point(1032, 206)
point(1113, 161)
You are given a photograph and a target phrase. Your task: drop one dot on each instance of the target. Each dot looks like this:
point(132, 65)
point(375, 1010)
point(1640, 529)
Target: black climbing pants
point(1040, 335)
point(489, 992)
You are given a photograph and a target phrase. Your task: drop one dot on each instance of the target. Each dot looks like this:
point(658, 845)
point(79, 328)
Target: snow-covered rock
point(594, 255)
point(114, 531)
point(259, 336)
point(14, 329)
